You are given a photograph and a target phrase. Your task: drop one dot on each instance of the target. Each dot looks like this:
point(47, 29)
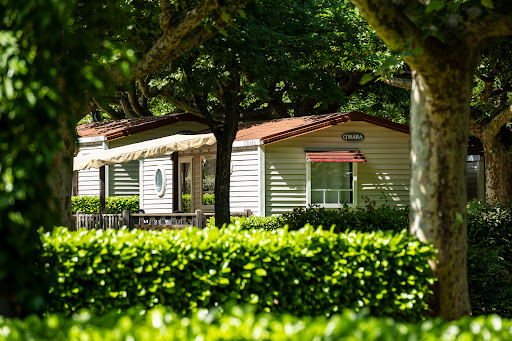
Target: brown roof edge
point(116, 134)
point(304, 129)
point(359, 116)
point(332, 121)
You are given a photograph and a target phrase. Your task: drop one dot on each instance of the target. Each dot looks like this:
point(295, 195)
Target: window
point(332, 183)
point(208, 166)
point(185, 185)
point(160, 181)
point(332, 177)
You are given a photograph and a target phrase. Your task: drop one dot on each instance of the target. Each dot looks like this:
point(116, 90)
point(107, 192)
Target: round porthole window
point(160, 181)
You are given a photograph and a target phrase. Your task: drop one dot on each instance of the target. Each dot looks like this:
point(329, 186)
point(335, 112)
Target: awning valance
point(336, 156)
point(141, 150)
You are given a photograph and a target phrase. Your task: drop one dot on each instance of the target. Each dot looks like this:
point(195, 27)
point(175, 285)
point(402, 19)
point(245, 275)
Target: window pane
point(331, 175)
point(208, 171)
point(331, 197)
point(317, 197)
point(158, 180)
point(345, 197)
point(186, 187)
point(186, 178)
point(331, 182)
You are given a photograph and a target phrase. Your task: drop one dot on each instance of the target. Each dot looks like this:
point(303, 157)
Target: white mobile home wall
point(150, 202)
point(89, 179)
point(245, 183)
point(384, 178)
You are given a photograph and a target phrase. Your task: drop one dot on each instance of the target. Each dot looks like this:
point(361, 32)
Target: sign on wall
point(352, 137)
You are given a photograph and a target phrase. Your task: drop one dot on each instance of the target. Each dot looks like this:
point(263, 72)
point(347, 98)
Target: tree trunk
point(61, 180)
point(498, 167)
point(222, 179)
point(439, 129)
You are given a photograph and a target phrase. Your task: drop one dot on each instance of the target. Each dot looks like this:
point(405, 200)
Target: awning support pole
point(175, 181)
point(102, 195)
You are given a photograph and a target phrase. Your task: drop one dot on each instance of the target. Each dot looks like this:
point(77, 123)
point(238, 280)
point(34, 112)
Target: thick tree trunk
point(439, 128)
point(498, 167)
point(222, 179)
point(61, 179)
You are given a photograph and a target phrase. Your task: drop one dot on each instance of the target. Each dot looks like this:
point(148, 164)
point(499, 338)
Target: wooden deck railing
point(145, 221)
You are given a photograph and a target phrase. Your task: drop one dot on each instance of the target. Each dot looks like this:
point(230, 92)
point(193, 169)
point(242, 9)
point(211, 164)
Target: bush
point(366, 219)
point(91, 204)
point(490, 258)
point(307, 272)
point(243, 324)
point(186, 202)
point(253, 222)
point(208, 199)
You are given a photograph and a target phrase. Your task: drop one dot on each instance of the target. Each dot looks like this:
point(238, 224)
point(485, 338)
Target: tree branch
point(135, 104)
point(113, 114)
point(402, 83)
point(497, 22)
point(492, 129)
point(177, 39)
point(397, 29)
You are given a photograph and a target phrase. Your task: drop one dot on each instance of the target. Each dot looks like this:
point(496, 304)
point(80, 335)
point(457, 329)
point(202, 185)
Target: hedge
point(243, 324)
point(365, 219)
point(307, 272)
point(253, 222)
point(91, 204)
point(490, 258)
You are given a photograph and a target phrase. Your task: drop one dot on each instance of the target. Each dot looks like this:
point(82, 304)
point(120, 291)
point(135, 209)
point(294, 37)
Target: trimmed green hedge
point(364, 219)
point(244, 324)
point(253, 222)
point(307, 272)
point(91, 204)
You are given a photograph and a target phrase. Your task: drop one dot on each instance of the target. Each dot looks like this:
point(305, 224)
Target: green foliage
point(91, 204)
point(253, 222)
point(490, 258)
point(307, 272)
point(41, 76)
point(186, 202)
point(367, 219)
point(244, 324)
point(209, 199)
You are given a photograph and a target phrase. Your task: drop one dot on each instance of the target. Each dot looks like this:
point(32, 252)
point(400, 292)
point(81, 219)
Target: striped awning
point(336, 156)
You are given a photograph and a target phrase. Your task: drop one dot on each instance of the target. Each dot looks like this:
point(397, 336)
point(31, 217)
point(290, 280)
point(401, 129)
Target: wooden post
point(175, 182)
point(78, 219)
point(102, 195)
point(74, 188)
point(199, 219)
point(125, 219)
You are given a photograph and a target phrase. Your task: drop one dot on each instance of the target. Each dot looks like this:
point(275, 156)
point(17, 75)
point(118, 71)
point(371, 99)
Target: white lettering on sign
point(352, 137)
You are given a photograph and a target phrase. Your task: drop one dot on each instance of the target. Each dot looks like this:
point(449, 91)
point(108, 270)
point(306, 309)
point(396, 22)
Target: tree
point(491, 113)
point(442, 41)
point(281, 59)
point(47, 80)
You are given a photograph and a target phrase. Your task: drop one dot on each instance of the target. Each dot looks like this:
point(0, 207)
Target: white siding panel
point(384, 178)
point(89, 179)
point(124, 179)
point(244, 184)
point(152, 203)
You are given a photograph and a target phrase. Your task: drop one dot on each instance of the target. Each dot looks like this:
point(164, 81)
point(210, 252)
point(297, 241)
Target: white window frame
point(204, 207)
point(354, 187)
point(186, 159)
point(160, 193)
